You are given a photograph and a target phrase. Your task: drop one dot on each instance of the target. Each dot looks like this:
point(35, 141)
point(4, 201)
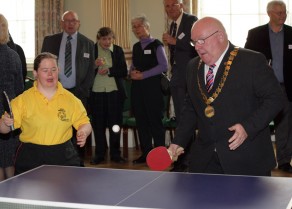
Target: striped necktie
point(173, 28)
point(68, 57)
point(210, 78)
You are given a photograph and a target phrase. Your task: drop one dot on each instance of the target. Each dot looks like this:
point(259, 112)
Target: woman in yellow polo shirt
point(45, 113)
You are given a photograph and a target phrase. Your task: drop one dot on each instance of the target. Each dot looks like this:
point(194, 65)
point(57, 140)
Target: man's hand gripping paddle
point(160, 158)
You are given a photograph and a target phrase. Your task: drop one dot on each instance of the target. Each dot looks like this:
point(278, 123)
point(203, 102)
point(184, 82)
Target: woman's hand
point(136, 75)
point(5, 123)
point(82, 134)
point(100, 61)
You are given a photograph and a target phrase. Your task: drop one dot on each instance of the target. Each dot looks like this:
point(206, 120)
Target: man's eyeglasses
point(201, 41)
point(70, 21)
point(135, 27)
point(172, 6)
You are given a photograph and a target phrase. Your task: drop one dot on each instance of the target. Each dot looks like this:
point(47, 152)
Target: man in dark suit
point(80, 79)
point(182, 50)
point(232, 95)
point(274, 40)
point(178, 40)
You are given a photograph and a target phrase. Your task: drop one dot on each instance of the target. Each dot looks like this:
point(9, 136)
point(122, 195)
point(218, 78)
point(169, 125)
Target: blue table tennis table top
point(76, 187)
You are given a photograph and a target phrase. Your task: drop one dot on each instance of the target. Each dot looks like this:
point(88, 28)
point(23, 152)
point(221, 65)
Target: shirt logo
point(62, 115)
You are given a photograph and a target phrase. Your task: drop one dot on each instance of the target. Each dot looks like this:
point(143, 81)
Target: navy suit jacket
point(246, 99)
point(258, 39)
point(183, 50)
point(84, 65)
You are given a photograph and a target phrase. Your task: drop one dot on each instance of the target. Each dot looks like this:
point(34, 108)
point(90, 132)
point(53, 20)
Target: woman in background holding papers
point(108, 95)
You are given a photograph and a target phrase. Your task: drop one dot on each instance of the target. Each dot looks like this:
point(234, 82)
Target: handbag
point(165, 82)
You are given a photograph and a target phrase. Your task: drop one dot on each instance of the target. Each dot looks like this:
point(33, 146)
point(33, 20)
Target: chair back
point(127, 103)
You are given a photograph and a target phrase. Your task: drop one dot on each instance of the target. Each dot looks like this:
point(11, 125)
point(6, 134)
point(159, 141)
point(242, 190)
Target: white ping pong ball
point(116, 128)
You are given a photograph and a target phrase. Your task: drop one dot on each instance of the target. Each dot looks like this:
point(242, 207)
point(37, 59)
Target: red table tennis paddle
point(159, 158)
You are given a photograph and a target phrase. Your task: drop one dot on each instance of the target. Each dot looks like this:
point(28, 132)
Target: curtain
point(115, 14)
point(188, 6)
point(47, 20)
point(195, 7)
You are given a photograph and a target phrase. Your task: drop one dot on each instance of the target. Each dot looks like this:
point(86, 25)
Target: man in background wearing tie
point(180, 51)
point(80, 79)
point(274, 40)
point(75, 58)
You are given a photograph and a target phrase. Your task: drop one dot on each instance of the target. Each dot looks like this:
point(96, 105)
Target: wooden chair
point(28, 82)
point(168, 123)
point(129, 121)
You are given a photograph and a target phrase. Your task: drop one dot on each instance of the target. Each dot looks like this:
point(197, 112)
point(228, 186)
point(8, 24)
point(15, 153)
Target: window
point(238, 16)
point(20, 16)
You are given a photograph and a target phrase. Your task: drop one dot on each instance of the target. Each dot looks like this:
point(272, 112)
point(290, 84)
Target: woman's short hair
point(39, 58)
point(105, 31)
point(142, 19)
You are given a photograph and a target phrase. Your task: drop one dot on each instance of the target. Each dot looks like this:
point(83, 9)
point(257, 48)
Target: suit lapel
point(56, 44)
point(266, 41)
point(201, 77)
point(221, 69)
point(79, 55)
point(181, 25)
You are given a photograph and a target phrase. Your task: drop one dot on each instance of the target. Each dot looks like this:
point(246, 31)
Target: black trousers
point(30, 156)
point(80, 150)
point(106, 110)
point(283, 132)
point(148, 106)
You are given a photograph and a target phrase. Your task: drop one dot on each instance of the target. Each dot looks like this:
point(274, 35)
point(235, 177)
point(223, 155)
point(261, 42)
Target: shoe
point(118, 160)
point(96, 161)
point(141, 159)
point(285, 167)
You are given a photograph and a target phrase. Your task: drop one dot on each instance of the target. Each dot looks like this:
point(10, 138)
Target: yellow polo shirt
point(47, 122)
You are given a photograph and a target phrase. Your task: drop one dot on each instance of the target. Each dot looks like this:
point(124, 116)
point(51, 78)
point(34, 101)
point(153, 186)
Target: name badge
point(181, 36)
point(290, 46)
point(147, 51)
point(86, 55)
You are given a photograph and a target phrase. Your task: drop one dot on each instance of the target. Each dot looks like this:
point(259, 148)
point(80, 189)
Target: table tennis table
point(77, 187)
